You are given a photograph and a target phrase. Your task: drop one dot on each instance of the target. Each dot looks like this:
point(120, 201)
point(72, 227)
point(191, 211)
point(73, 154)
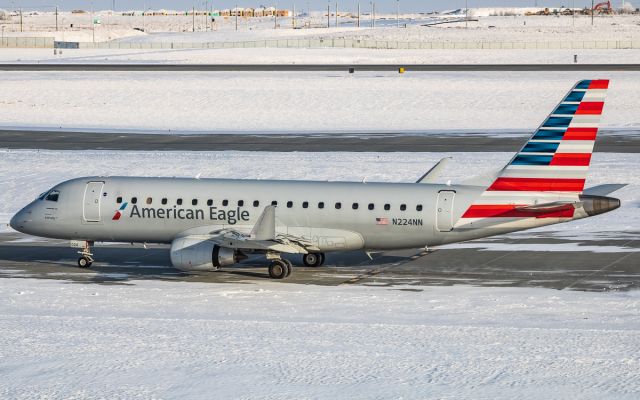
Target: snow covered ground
point(26, 173)
point(320, 56)
point(305, 101)
point(179, 28)
point(155, 339)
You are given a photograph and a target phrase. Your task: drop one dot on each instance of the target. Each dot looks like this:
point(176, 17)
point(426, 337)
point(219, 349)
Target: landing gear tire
point(278, 269)
point(84, 262)
point(289, 266)
point(313, 259)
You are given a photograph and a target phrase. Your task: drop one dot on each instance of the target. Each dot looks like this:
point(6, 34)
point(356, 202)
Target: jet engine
point(194, 254)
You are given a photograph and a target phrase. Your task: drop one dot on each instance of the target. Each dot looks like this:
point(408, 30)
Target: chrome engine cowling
point(194, 254)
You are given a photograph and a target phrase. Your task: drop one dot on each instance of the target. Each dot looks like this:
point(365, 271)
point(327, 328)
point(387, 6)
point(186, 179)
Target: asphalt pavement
point(615, 269)
point(609, 141)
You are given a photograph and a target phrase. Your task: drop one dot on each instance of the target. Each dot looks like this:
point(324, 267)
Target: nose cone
point(19, 221)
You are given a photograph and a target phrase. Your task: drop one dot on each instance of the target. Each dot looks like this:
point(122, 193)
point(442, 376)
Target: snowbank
point(311, 101)
point(156, 339)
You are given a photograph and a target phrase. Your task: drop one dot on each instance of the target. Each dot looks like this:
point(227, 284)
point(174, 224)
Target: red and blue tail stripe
point(552, 164)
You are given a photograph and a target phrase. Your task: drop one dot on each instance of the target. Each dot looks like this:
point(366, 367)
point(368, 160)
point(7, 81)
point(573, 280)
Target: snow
point(301, 101)
point(321, 56)
point(26, 173)
point(179, 28)
point(154, 339)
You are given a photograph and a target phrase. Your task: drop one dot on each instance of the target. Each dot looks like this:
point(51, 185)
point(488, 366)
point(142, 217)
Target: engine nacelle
point(191, 254)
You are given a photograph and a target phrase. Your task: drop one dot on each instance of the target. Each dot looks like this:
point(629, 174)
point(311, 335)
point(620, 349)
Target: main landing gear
point(313, 259)
point(86, 257)
point(280, 268)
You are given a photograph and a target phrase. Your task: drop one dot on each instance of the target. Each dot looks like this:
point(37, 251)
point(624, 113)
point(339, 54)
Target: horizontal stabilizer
point(603, 190)
point(434, 173)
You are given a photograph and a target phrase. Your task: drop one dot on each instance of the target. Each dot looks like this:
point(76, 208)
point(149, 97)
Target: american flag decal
point(382, 221)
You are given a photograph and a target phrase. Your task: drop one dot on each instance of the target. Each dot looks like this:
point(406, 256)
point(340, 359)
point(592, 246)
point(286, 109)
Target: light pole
point(358, 15)
point(466, 14)
point(336, 14)
point(328, 15)
point(275, 19)
point(373, 18)
point(397, 13)
point(592, 12)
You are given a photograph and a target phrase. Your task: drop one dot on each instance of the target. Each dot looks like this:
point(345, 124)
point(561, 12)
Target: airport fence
point(35, 42)
point(27, 42)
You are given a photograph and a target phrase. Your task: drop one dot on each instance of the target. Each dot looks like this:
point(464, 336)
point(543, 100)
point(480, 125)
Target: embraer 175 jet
point(212, 223)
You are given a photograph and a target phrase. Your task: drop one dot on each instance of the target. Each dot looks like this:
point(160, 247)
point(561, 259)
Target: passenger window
point(149, 200)
point(194, 202)
point(387, 207)
point(274, 203)
point(403, 207)
point(209, 202)
point(179, 202)
point(371, 206)
point(119, 199)
point(240, 203)
point(419, 207)
point(53, 195)
point(321, 204)
point(164, 200)
point(134, 200)
point(289, 204)
point(338, 206)
point(354, 206)
point(256, 203)
point(305, 204)
point(225, 202)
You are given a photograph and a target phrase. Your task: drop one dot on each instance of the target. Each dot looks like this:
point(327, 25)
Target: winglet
point(265, 227)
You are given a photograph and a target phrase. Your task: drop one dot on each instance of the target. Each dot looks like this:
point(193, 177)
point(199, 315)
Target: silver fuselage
point(418, 215)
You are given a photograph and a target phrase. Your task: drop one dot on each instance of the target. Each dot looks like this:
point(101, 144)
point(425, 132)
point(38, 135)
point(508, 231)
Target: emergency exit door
point(444, 210)
point(92, 199)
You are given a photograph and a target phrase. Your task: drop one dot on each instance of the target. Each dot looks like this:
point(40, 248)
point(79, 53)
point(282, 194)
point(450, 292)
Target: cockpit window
point(53, 195)
point(42, 195)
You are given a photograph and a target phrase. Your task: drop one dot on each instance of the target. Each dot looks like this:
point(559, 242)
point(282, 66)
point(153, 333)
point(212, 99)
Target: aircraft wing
point(262, 237)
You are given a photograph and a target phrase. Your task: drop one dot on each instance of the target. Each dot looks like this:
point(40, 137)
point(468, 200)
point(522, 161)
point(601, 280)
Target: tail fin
point(556, 158)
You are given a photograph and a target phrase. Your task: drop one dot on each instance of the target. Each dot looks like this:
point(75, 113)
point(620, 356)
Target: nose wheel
point(86, 257)
point(313, 259)
point(85, 261)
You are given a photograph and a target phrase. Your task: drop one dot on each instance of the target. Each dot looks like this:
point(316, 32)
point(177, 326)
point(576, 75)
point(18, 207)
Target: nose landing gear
point(86, 257)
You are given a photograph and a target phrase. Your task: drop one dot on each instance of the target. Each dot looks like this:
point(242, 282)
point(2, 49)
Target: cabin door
point(444, 210)
point(91, 202)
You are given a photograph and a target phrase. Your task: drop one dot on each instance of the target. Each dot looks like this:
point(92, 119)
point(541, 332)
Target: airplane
point(214, 223)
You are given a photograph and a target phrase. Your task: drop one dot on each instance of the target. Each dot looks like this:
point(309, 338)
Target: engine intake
point(191, 254)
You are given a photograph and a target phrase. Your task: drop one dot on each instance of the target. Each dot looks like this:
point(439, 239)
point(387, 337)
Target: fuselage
point(333, 215)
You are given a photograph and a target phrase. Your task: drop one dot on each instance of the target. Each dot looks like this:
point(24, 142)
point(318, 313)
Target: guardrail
point(324, 43)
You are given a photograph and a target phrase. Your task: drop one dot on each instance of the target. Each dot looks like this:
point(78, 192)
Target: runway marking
point(377, 271)
point(611, 264)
